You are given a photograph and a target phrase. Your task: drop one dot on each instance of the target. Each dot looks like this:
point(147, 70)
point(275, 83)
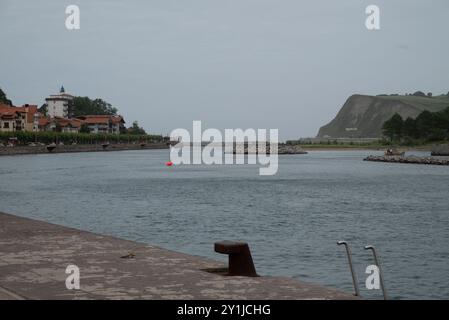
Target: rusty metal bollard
point(240, 260)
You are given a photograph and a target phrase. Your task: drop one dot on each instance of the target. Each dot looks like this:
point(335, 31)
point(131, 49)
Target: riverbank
point(40, 149)
point(301, 149)
point(34, 257)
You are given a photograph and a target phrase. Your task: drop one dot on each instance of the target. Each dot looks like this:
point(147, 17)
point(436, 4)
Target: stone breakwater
point(21, 150)
point(409, 159)
point(291, 149)
point(282, 149)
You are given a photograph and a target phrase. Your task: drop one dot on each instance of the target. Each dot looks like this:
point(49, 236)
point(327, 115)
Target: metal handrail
point(381, 277)
point(351, 267)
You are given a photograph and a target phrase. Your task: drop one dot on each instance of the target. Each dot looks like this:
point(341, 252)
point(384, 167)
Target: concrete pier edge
point(42, 149)
point(34, 256)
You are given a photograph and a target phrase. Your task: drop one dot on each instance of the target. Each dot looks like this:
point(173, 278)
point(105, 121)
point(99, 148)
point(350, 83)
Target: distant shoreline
point(349, 148)
point(25, 150)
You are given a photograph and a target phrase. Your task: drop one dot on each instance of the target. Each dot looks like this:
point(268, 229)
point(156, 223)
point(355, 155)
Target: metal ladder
point(353, 274)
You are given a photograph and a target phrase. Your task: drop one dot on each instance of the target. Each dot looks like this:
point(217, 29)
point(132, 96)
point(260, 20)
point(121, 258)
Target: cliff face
point(363, 116)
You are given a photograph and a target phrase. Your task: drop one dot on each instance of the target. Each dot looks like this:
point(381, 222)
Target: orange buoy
point(169, 163)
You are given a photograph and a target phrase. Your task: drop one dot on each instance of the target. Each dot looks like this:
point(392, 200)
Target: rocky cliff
point(362, 116)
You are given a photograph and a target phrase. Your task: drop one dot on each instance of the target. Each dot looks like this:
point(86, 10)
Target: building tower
point(58, 104)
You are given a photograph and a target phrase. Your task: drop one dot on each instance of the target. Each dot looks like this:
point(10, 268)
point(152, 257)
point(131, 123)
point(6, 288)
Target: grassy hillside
point(362, 116)
point(433, 104)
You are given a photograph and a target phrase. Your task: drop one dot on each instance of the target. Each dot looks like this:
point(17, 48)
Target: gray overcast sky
point(285, 64)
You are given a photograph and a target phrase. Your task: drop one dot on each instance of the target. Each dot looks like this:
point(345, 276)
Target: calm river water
point(291, 220)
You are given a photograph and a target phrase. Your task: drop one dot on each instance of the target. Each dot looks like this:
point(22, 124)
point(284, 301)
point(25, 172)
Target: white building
point(58, 104)
point(103, 123)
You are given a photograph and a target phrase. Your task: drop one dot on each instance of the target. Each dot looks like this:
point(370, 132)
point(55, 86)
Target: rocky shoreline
point(42, 149)
point(409, 159)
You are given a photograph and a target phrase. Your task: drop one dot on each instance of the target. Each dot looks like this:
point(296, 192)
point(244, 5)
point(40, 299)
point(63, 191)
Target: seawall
point(21, 150)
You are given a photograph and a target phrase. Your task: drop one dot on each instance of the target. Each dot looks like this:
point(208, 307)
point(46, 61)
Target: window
point(6, 125)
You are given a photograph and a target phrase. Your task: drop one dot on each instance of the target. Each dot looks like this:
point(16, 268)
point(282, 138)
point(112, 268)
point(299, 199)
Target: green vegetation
point(393, 127)
point(4, 99)
point(380, 144)
point(427, 127)
point(335, 144)
point(368, 113)
point(350, 145)
point(421, 102)
point(84, 128)
point(81, 106)
point(24, 137)
point(135, 129)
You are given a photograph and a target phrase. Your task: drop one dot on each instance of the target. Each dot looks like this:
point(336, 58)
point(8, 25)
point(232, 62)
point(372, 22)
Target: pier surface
point(34, 256)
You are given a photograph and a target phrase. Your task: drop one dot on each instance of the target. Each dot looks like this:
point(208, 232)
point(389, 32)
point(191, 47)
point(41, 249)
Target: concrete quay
point(23, 150)
point(34, 256)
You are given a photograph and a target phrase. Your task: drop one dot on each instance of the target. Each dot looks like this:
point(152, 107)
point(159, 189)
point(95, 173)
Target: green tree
point(393, 128)
point(424, 124)
point(81, 106)
point(437, 134)
point(58, 127)
point(135, 129)
point(441, 119)
point(409, 128)
point(428, 126)
point(102, 107)
point(43, 109)
point(419, 94)
point(84, 128)
point(4, 99)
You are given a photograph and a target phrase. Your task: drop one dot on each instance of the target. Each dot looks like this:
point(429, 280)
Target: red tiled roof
point(117, 119)
point(6, 108)
point(63, 122)
point(7, 115)
point(9, 112)
point(43, 122)
point(102, 119)
point(77, 122)
point(31, 110)
point(96, 121)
